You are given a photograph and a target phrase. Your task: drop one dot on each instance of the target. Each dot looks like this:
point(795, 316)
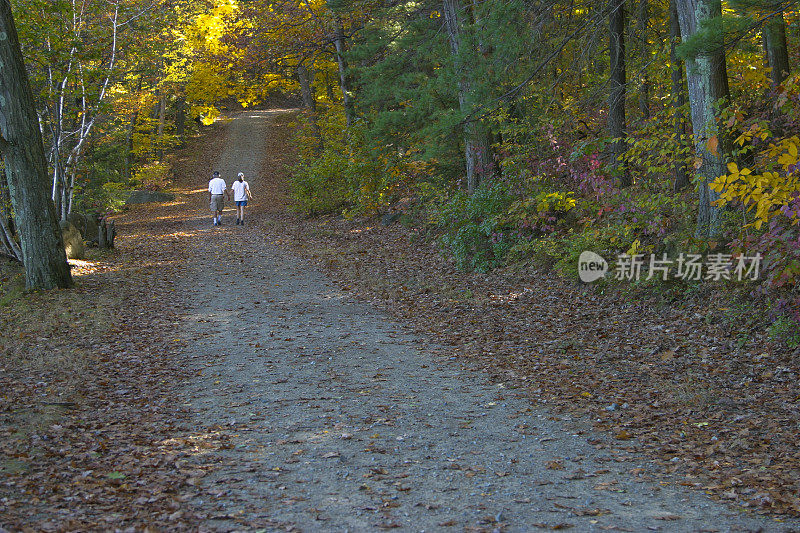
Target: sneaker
point(214, 222)
point(241, 222)
point(237, 221)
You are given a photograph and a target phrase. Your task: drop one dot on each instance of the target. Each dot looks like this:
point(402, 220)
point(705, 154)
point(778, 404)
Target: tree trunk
point(777, 52)
point(128, 163)
point(707, 80)
point(329, 88)
point(644, 57)
point(680, 172)
point(180, 118)
point(340, 61)
point(70, 192)
point(8, 244)
point(162, 111)
point(306, 78)
point(42, 247)
point(616, 97)
point(106, 231)
point(477, 153)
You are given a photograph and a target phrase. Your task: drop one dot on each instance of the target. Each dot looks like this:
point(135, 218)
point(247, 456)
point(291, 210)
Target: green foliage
point(540, 213)
point(152, 176)
point(340, 172)
point(474, 231)
point(786, 330)
point(319, 186)
point(655, 149)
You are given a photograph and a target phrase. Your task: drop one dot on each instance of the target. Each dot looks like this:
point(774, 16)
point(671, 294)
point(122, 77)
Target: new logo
point(591, 267)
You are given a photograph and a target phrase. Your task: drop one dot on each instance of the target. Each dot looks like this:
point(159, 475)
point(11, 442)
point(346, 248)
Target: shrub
point(340, 172)
point(319, 185)
point(475, 234)
point(541, 213)
point(152, 176)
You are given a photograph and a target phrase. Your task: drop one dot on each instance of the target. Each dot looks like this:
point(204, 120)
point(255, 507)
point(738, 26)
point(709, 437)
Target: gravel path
point(316, 412)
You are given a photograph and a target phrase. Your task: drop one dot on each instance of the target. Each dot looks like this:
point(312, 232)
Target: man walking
point(216, 197)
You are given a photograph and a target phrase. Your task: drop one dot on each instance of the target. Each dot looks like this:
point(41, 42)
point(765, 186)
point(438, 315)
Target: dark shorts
point(241, 203)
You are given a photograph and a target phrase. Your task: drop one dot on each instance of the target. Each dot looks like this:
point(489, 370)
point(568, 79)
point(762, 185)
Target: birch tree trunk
point(476, 142)
point(26, 168)
point(707, 80)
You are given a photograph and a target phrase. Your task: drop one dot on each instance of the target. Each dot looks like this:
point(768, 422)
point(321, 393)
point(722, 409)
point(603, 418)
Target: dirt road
point(314, 411)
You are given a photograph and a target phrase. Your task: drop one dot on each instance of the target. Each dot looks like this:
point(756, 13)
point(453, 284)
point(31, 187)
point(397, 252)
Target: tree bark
point(162, 111)
point(777, 52)
point(306, 77)
point(644, 57)
point(129, 131)
point(680, 172)
point(477, 152)
point(616, 97)
point(106, 231)
point(42, 247)
point(342, 64)
point(9, 245)
point(707, 80)
point(180, 118)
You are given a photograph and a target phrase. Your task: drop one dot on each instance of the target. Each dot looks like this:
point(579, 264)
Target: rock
point(144, 197)
point(73, 241)
point(86, 224)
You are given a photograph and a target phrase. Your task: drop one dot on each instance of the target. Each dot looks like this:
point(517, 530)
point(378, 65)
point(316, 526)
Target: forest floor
point(331, 375)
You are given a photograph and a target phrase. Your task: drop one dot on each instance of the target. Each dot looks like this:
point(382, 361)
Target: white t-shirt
point(239, 191)
point(217, 186)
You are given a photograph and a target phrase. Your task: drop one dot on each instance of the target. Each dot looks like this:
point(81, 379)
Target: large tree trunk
point(707, 80)
point(680, 172)
point(306, 78)
point(477, 148)
point(26, 168)
point(777, 52)
point(616, 97)
point(644, 57)
point(340, 61)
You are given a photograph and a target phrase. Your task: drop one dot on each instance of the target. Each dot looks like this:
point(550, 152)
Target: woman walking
point(241, 193)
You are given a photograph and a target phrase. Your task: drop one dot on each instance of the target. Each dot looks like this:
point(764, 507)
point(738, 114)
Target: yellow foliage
point(766, 192)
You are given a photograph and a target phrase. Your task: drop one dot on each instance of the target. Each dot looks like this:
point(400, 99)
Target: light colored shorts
point(217, 202)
